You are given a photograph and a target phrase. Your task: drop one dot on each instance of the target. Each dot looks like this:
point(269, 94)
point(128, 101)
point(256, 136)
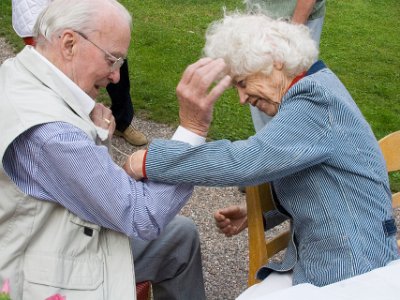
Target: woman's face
point(263, 91)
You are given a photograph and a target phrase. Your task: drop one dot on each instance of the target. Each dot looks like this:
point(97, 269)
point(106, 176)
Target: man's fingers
point(102, 116)
point(97, 111)
point(108, 120)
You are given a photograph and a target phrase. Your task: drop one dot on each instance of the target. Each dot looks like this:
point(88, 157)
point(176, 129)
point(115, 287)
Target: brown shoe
point(132, 136)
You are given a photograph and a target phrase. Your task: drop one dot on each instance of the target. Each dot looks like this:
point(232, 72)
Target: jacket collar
point(59, 83)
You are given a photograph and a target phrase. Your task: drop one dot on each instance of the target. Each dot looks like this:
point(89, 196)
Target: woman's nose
point(242, 96)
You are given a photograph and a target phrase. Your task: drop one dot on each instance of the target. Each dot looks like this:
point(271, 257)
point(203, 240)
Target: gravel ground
point(225, 259)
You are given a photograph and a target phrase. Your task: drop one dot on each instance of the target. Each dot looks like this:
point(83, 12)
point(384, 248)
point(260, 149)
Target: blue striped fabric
point(327, 170)
point(58, 162)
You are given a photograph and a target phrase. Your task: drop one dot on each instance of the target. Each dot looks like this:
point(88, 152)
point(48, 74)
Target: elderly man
point(24, 15)
point(68, 213)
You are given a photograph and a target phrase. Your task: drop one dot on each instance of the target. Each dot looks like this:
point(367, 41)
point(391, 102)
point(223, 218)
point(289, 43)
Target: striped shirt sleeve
point(58, 162)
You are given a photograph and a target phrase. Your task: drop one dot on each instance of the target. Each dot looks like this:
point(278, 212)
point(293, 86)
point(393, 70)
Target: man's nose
point(114, 76)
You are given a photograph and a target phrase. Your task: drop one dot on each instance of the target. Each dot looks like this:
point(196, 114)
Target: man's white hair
point(252, 43)
point(79, 15)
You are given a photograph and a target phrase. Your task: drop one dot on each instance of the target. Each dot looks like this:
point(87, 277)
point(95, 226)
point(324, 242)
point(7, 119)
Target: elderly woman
point(318, 151)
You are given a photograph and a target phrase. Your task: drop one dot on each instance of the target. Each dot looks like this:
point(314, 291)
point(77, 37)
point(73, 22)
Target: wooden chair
point(259, 200)
point(390, 146)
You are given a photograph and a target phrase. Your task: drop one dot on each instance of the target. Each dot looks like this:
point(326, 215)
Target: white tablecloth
point(379, 284)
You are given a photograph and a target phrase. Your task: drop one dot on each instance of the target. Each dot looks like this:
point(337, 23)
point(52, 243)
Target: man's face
point(96, 52)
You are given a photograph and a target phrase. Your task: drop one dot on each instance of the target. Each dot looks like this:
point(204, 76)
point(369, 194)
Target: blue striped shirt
point(58, 162)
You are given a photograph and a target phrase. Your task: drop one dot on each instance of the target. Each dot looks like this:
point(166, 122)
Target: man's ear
point(68, 40)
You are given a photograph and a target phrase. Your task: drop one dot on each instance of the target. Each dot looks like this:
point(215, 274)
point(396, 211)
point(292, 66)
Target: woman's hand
point(195, 95)
point(134, 165)
point(231, 220)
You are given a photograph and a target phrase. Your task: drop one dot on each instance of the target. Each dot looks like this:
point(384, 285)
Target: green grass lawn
point(360, 42)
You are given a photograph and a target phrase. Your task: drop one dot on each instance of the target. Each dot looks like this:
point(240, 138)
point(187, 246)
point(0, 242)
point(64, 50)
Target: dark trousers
point(172, 262)
point(121, 102)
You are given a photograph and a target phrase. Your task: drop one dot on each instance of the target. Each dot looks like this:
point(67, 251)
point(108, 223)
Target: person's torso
point(285, 8)
point(341, 208)
point(44, 248)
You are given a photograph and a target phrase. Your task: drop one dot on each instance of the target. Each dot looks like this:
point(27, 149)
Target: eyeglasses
point(116, 62)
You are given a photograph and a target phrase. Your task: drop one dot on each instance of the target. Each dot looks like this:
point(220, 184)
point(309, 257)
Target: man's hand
point(102, 117)
point(196, 99)
point(134, 165)
point(231, 220)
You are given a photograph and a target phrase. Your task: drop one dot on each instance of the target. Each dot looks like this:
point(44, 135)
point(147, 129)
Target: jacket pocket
point(76, 278)
point(84, 273)
point(327, 261)
point(78, 221)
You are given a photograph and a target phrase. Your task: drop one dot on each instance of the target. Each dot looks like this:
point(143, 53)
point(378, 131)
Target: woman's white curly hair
point(251, 43)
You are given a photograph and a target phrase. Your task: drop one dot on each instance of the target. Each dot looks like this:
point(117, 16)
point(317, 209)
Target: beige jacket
point(44, 248)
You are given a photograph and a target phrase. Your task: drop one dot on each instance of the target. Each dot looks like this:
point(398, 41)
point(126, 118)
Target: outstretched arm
point(196, 103)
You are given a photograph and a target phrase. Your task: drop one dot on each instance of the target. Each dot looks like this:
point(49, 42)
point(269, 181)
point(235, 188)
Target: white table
point(379, 284)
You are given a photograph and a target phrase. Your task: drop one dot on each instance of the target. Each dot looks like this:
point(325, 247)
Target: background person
point(318, 152)
point(74, 213)
point(122, 108)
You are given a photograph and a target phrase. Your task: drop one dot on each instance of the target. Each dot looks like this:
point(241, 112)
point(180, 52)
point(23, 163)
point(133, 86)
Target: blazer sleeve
point(298, 137)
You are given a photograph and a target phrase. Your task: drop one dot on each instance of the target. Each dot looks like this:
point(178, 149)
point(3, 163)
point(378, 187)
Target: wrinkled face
point(96, 52)
point(262, 91)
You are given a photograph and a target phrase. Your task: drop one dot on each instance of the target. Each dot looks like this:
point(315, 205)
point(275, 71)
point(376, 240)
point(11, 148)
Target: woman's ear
point(278, 65)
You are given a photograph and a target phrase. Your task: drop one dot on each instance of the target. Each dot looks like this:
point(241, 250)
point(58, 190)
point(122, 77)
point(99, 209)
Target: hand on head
point(195, 95)
point(231, 220)
point(102, 117)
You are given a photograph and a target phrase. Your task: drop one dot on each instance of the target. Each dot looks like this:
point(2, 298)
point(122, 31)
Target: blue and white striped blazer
point(327, 170)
